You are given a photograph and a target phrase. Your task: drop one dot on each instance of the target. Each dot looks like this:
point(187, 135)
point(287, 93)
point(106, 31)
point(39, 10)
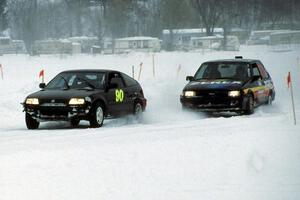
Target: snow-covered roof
point(64, 40)
point(285, 32)
point(4, 38)
point(50, 40)
point(213, 37)
point(187, 31)
point(136, 38)
point(267, 31)
point(17, 41)
point(207, 37)
point(83, 38)
point(237, 29)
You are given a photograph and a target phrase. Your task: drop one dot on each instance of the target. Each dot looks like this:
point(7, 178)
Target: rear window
point(129, 81)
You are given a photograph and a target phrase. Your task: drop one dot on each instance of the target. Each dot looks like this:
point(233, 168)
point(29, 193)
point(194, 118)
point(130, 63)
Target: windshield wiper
point(230, 78)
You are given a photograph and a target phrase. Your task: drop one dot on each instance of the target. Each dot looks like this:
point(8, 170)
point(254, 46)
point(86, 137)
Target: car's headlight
point(32, 101)
point(189, 93)
point(76, 101)
point(235, 93)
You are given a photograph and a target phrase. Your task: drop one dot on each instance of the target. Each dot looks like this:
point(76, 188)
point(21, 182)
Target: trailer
point(284, 41)
point(9, 46)
point(52, 46)
point(215, 43)
point(143, 44)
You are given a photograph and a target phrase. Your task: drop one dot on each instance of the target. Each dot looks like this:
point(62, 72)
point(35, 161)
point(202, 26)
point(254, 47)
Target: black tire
point(269, 100)
point(138, 111)
point(185, 109)
point(97, 116)
point(75, 122)
point(250, 105)
point(31, 123)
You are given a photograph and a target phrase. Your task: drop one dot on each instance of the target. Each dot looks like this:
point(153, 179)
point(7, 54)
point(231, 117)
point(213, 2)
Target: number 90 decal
point(119, 95)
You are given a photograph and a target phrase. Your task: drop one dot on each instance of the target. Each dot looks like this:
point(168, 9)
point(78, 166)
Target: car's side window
point(262, 71)
point(201, 72)
point(116, 78)
point(129, 81)
point(255, 70)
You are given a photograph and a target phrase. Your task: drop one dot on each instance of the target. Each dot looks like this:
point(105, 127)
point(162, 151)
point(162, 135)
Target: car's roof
point(238, 60)
point(89, 70)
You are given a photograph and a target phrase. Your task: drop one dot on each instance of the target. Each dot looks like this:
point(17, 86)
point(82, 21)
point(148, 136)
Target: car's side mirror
point(113, 86)
point(42, 85)
point(189, 78)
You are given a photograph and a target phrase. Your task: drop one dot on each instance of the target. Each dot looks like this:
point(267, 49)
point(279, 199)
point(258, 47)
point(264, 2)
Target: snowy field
point(170, 156)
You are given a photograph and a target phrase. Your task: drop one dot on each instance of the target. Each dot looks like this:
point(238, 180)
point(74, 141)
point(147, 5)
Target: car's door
point(131, 90)
point(266, 80)
point(258, 86)
point(117, 95)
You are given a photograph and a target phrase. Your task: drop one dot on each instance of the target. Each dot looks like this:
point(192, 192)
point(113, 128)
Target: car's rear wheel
point(138, 111)
point(250, 105)
point(30, 122)
point(97, 116)
point(74, 122)
point(270, 99)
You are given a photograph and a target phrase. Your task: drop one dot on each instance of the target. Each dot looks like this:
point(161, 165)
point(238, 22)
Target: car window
point(255, 70)
point(115, 77)
point(76, 80)
point(263, 71)
point(223, 70)
point(129, 81)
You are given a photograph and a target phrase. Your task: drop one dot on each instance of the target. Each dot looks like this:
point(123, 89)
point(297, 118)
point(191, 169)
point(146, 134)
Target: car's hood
point(218, 84)
point(61, 94)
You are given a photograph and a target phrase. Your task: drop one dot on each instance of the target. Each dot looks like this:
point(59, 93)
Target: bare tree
point(117, 18)
point(3, 19)
point(210, 12)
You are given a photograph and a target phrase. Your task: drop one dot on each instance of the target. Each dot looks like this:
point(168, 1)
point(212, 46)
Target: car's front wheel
point(250, 105)
point(74, 122)
point(97, 116)
point(30, 122)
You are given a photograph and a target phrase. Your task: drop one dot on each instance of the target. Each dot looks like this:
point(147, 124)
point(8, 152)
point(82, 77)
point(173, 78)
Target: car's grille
point(213, 97)
point(58, 101)
point(54, 111)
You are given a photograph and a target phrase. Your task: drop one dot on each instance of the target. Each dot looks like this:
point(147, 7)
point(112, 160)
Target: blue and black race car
point(237, 85)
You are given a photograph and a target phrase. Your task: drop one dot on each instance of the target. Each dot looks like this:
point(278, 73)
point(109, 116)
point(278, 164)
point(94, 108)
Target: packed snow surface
point(170, 155)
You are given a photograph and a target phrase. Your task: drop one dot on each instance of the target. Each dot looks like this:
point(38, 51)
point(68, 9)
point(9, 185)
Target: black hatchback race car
point(237, 85)
point(84, 95)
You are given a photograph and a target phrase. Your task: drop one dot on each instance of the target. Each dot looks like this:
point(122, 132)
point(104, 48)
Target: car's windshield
point(226, 70)
point(78, 80)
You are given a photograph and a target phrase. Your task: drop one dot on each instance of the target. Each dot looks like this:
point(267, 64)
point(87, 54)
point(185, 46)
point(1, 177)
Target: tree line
point(32, 20)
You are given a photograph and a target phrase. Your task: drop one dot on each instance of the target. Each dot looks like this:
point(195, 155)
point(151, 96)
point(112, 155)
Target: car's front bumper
point(57, 113)
point(213, 104)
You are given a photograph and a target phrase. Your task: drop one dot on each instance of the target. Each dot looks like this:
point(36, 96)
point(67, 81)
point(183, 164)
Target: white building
point(144, 44)
point(261, 36)
point(87, 43)
point(283, 41)
point(9, 46)
point(181, 38)
point(215, 42)
point(52, 46)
